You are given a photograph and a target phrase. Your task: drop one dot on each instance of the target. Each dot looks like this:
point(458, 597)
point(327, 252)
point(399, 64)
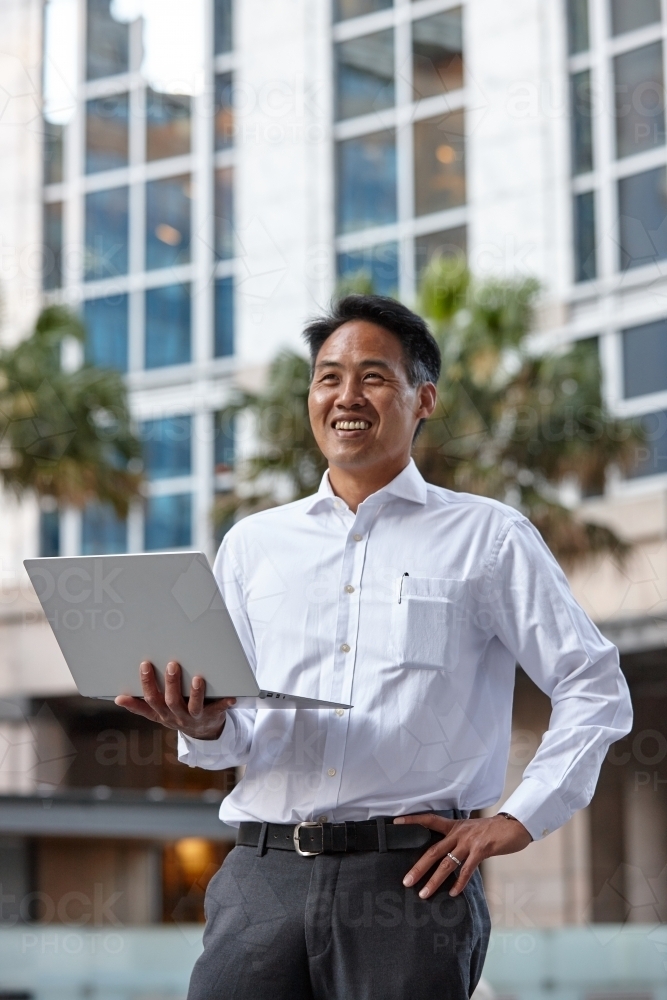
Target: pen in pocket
point(400, 589)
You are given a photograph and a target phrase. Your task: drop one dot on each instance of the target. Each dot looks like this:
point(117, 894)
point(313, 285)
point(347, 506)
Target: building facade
point(193, 179)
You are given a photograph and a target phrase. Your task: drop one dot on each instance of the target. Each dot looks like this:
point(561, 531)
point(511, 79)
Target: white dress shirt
point(415, 611)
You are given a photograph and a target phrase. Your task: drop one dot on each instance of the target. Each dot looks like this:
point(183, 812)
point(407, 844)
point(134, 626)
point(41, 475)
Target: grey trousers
point(336, 926)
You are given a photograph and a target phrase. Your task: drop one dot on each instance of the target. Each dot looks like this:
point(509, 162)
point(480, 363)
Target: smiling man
point(356, 871)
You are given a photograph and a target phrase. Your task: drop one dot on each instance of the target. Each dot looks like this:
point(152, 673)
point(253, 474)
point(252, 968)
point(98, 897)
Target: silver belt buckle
point(297, 845)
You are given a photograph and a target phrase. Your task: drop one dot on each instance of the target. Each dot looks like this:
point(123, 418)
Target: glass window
point(645, 359)
point(642, 209)
point(626, 15)
point(651, 456)
point(378, 263)
point(582, 122)
point(440, 180)
point(167, 124)
point(437, 54)
point(223, 451)
point(167, 447)
point(222, 29)
point(355, 8)
point(446, 243)
point(224, 213)
point(639, 99)
point(53, 245)
point(49, 533)
point(224, 111)
point(366, 175)
point(224, 317)
point(168, 205)
point(577, 26)
point(167, 326)
point(168, 522)
point(106, 233)
point(365, 74)
point(107, 42)
point(53, 152)
point(102, 531)
point(585, 252)
point(106, 322)
point(107, 133)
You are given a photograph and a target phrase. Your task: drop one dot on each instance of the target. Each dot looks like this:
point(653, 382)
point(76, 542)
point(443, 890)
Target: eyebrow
point(367, 362)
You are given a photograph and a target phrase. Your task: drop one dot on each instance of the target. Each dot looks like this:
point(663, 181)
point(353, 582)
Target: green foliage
point(509, 424)
point(64, 434)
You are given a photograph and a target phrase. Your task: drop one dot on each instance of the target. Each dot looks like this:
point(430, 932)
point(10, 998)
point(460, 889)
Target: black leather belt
point(308, 839)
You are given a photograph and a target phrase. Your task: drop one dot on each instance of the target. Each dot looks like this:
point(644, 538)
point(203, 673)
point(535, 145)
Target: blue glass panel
point(49, 533)
point(168, 206)
point(53, 152)
point(224, 213)
point(581, 119)
point(224, 447)
point(645, 359)
point(628, 15)
point(53, 245)
point(102, 531)
point(365, 74)
point(652, 455)
point(577, 26)
point(640, 100)
point(167, 326)
point(642, 209)
point(167, 125)
point(106, 323)
point(445, 243)
point(439, 158)
point(437, 54)
point(585, 243)
point(224, 111)
point(343, 9)
point(366, 177)
point(224, 317)
point(222, 29)
point(167, 444)
point(379, 263)
point(106, 252)
point(107, 42)
point(107, 121)
point(168, 522)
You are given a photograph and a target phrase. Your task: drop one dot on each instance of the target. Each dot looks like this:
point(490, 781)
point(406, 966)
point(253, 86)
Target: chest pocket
point(428, 621)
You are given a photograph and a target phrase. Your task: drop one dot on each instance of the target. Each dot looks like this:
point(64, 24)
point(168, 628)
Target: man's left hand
point(470, 841)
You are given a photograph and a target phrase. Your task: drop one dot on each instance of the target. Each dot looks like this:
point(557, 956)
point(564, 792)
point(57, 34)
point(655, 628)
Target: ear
point(427, 397)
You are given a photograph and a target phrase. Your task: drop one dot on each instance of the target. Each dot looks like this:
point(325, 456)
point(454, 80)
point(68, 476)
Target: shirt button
point(331, 772)
point(357, 538)
point(322, 819)
point(340, 711)
point(345, 648)
point(349, 589)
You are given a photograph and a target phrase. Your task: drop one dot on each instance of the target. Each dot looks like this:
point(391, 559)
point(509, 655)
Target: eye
point(374, 375)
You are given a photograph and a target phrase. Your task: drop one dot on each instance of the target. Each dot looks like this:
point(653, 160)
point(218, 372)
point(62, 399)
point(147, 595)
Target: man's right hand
point(193, 718)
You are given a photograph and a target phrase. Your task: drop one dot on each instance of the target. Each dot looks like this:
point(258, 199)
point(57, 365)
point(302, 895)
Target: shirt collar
point(408, 485)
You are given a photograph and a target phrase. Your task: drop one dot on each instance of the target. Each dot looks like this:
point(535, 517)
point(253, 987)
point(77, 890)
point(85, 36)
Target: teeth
point(352, 425)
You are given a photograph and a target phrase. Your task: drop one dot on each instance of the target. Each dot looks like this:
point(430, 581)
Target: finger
point(153, 696)
point(466, 871)
point(429, 820)
point(196, 699)
point(137, 706)
point(429, 858)
point(173, 694)
point(442, 872)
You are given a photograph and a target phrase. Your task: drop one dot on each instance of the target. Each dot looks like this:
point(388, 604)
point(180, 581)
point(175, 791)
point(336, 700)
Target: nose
point(350, 394)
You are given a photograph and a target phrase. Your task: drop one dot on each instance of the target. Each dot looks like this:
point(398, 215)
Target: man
point(412, 603)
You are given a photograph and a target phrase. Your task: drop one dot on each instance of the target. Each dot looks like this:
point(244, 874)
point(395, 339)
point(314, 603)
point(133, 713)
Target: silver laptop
point(108, 613)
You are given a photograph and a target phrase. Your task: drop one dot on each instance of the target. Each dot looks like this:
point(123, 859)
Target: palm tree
point(65, 434)
point(509, 424)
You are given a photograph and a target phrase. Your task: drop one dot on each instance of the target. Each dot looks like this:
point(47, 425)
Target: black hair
point(422, 354)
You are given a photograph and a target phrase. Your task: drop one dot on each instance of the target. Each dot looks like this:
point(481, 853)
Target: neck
point(355, 485)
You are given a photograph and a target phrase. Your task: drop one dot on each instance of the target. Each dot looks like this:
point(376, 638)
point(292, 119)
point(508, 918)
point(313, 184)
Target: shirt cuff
point(538, 807)
point(209, 753)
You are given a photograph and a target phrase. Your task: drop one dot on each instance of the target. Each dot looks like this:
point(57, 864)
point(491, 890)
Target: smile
point(351, 425)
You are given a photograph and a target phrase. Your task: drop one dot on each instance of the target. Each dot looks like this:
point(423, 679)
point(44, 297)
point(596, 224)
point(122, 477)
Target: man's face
point(362, 408)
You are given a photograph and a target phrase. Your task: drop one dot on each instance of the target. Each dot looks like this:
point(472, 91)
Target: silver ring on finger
point(454, 859)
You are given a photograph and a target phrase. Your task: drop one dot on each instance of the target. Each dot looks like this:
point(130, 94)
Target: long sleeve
point(559, 647)
point(233, 745)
